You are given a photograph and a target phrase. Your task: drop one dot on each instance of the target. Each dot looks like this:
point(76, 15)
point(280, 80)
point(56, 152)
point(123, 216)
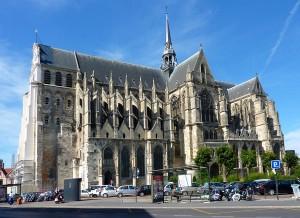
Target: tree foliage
point(226, 158)
point(204, 155)
point(291, 160)
point(266, 159)
point(248, 159)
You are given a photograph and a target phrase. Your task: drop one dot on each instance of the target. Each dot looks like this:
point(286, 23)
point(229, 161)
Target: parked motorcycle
point(59, 199)
point(216, 195)
point(247, 194)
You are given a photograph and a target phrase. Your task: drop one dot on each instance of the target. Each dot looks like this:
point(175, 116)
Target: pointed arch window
point(58, 79)
point(207, 107)
point(125, 160)
point(158, 158)
point(203, 73)
point(69, 81)
point(141, 160)
point(47, 77)
point(108, 156)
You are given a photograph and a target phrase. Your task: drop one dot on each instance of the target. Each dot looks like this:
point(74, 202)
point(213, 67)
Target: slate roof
point(251, 86)
point(179, 74)
point(102, 68)
point(225, 85)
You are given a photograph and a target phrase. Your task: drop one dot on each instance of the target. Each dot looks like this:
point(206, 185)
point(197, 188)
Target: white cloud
point(13, 84)
point(292, 141)
point(282, 34)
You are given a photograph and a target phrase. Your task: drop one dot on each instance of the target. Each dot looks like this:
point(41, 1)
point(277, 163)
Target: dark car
point(144, 190)
point(284, 187)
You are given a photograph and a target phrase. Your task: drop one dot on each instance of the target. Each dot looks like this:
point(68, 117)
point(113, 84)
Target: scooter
point(216, 195)
point(59, 199)
point(247, 194)
point(10, 200)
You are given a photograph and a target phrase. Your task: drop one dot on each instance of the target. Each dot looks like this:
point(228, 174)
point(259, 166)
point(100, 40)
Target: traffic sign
point(275, 164)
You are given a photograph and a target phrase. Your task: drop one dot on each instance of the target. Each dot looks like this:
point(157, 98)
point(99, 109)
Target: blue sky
point(240, 38)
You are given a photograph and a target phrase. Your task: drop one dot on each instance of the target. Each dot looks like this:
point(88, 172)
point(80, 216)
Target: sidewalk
point(130, 203)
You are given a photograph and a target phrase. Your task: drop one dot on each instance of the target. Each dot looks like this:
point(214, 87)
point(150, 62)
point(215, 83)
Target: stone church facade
point(102, 120)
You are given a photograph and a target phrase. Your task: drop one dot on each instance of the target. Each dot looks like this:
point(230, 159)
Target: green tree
point(204, 155)
point(226, 159)
point(266, 160)
point(248, 159)
point(291, 160)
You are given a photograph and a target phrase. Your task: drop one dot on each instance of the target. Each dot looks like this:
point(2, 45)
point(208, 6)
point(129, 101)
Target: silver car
point(108, 191)
point(126, 190)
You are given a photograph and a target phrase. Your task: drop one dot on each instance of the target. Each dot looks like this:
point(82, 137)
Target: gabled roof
point(179, 74)
point(225, 85)
point(102, 68)
point(251, 86)
point(190, 65)
point(8, 170)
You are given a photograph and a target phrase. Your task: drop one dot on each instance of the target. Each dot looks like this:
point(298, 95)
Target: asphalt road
point(152, 212)
point(127, 207)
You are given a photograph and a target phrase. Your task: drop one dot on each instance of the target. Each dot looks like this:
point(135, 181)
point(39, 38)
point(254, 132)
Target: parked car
point(96, 190)
point(108, 191)
point(85, 193)
point(126, 190)
point(144, 190)
point(284, 187)
point(213, 185)
point(188, 189)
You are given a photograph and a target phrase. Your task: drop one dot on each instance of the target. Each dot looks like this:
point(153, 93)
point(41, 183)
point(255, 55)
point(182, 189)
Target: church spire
point(168, 34)
point(169, 55)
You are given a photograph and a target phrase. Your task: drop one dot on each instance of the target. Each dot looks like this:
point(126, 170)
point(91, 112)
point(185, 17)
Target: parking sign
point(275, 164)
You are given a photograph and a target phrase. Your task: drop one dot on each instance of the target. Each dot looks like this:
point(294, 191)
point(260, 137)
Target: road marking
point(244, 210)
point(182, 215)
point(203, 211)
point(222, 216)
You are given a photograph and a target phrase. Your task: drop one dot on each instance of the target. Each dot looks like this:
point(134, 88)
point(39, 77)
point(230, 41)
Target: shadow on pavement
point(71, 212)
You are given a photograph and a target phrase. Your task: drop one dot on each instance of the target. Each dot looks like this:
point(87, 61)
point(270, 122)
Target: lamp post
point(136, 173)
point(210, 163)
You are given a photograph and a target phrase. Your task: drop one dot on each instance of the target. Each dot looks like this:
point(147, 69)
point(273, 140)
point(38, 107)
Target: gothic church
point(101, 120)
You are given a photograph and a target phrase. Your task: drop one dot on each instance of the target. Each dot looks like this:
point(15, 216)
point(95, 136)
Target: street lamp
point(210, 163)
